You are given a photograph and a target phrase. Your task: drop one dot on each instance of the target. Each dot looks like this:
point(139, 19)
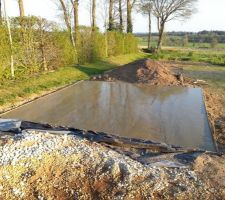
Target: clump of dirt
point(155, 73)
point(143, 71)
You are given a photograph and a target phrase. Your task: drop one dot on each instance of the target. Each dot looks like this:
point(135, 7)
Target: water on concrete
point(174, 115)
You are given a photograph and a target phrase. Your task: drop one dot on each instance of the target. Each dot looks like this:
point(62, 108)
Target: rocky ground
point(41, 165)
point(51, 164)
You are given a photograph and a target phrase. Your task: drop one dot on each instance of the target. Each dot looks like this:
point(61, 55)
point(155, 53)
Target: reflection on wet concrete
point(174, 115)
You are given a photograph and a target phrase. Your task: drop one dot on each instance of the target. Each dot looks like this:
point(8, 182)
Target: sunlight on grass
point(13, 91)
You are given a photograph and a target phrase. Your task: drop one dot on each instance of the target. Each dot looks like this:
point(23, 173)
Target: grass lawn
point(13, 91)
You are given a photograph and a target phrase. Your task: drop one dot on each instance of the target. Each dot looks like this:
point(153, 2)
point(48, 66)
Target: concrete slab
point(174, 115)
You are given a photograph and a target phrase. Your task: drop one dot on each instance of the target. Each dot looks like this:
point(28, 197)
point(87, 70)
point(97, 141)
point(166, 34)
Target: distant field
point(143, 41)
point(191, 55)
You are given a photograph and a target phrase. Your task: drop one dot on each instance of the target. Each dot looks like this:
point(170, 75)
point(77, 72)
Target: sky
point(210, 15)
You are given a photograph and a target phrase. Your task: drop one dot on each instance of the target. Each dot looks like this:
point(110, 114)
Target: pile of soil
point(143, 71)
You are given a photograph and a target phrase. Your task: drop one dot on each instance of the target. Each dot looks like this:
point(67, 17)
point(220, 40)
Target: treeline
point(193, 37)
point(30, 44)
point(41, 46)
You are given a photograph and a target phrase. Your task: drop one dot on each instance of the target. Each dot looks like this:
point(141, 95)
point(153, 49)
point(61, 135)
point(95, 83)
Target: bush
point(42, 46)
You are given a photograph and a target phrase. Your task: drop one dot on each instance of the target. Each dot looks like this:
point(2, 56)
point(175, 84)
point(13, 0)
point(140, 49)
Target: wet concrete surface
point(174, 115)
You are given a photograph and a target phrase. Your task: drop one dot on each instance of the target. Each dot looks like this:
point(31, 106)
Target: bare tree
point(93, 14)
point(103, 12)
point(10, 42)
point(146, 7)
point(75, 4)
point(130, 5)
point(167, 10)
point(120, 15)
point(64, 7)
point(111, 18)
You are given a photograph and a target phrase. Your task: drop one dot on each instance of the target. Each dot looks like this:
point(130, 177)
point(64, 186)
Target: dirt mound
point(143, 71)
point(155, 73)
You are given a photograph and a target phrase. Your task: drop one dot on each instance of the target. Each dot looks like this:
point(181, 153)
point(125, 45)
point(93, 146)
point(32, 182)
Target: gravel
point(110, 175)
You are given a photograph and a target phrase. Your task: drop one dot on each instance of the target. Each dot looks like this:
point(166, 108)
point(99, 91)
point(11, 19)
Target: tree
point(93, 13)
point(167, 10)
point(120, 15)
point(111, 18)
point(75, 4)
point(63, 6)
point(21, 7)
point(130, 5)
point(146, 9)
point(10, 42)
point(0, 12)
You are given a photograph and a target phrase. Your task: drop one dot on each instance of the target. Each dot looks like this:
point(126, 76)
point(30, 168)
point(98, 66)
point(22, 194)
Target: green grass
point(13, 91)
point(183, 54)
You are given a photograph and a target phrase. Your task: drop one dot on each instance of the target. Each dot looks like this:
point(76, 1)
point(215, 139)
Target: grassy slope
point(13, 91)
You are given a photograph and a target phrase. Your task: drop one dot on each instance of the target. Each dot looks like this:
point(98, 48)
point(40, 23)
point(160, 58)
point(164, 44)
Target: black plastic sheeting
point(143, 151)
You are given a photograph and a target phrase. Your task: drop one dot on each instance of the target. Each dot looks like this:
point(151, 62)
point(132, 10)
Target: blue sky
point(210, 15)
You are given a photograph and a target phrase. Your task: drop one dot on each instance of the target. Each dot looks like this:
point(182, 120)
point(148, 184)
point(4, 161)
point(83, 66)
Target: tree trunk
point(44, 62)
point(93, 15)
point(76, 21)
point(67, 21)
point(129, 17)
point(21, 7)
point(161, 31)
point(111, 20)
point(10, 43)
point(121, 15)
point(149, 29)
point(0, 12)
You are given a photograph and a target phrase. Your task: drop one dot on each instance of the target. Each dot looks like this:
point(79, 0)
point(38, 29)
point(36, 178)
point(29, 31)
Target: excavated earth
point(143, 71)
point(44, 162)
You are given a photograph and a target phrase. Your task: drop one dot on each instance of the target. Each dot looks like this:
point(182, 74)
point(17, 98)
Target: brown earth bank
point(44, 164)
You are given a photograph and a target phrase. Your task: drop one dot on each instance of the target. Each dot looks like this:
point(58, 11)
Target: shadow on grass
point(95, 68)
